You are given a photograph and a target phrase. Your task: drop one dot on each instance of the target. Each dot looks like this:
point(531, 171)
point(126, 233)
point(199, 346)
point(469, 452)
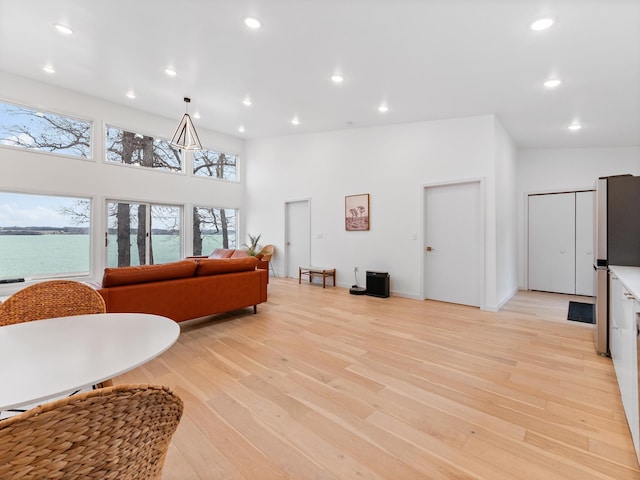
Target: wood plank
point(321, 384)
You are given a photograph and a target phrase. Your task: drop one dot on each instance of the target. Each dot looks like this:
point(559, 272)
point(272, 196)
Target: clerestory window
point(38, 130)
point(137, 149)
point(210, 163)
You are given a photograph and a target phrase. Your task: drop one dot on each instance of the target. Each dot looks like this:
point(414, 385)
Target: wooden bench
point(317, 271)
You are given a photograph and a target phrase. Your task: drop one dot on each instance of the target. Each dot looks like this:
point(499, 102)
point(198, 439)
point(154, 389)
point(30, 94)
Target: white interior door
point(584, 243)
point(297, 236)
point(552, 247)
point(453, 243)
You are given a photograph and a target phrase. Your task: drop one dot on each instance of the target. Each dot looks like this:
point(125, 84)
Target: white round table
point(45, 359)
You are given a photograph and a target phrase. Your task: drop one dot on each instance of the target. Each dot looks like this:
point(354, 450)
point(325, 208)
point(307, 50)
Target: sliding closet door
point(584, 243)
point(552, 242)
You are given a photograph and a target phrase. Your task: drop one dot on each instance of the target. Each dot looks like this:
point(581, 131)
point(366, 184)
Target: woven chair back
point(55, 298)
point(120, 432)
point(267, 252)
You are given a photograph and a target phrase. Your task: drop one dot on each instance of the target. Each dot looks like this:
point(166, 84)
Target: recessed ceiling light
point(337, 78)
point(574, 127)
point(246, 102)
point(63, 29)
point(131, 95)
point(196, 115)
point(252, 22)
point(49, 69)
point(383, 108)
point(295, 121)
point(241, 129)
point(170, 72)
point(542, 24)
point(552, 83)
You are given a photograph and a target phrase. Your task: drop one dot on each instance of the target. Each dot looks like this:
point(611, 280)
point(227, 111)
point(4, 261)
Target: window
point(141, 150)
point(213, 228)
point(44, 236)
point(143, 234)
point(24, 127)
point(208, 163)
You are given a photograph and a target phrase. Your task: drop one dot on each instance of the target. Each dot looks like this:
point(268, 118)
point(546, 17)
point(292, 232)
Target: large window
point(209, 163)
point(24, 127)
point(44, 236)
point(213, 228)
point(143, 233)
point(132, 148)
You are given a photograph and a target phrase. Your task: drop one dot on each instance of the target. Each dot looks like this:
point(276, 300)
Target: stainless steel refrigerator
point(617, 242)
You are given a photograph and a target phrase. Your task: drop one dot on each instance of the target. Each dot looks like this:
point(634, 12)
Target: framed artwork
point(356, 212)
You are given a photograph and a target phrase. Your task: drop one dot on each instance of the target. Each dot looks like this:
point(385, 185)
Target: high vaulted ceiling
point(425, 59)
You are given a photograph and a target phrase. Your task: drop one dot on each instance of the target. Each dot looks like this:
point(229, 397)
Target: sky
point(24, 210)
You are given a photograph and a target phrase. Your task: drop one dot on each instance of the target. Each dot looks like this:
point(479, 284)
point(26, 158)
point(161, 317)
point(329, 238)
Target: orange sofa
point(186, 289)
point(232, 253)
point(229, 253)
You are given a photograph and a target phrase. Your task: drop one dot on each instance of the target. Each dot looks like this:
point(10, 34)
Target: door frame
point(307, 200)
point(482, 287)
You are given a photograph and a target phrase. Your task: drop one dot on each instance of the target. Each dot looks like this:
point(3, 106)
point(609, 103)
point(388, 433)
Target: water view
point(32, 256)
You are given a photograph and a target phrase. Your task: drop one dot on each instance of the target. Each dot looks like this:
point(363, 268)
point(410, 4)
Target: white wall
point(506, 217)
point(558, 170)
point(391, 163)
point(29, 171)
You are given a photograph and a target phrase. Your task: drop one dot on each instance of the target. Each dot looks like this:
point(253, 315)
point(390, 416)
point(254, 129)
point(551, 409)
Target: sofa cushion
point(213, 266)
point(240, 254)
point(148, 273)
point(222, 253)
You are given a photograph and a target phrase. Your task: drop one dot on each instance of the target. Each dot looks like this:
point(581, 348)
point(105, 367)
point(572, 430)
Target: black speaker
point(378, 284)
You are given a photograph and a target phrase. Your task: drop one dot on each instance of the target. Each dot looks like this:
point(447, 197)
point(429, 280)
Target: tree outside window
point(213, 228)
point(143, 234)
point(27, 128)
point(132, 148)
point(209, 163)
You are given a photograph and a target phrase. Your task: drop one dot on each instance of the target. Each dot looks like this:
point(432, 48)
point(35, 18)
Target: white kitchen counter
point(629, 277)
point(623, 341)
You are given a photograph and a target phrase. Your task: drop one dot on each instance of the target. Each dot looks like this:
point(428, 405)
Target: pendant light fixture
point(186, 137)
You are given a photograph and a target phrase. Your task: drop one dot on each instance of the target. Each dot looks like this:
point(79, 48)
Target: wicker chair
point(265, 256)
point(55, 298)
point(120, 432)
point(267, 252)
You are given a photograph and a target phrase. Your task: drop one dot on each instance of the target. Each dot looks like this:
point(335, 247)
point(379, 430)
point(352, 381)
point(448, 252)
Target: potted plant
point(252, 247)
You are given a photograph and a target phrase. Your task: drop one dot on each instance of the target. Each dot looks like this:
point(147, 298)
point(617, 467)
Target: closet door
point(552, 242)
point(584, 243)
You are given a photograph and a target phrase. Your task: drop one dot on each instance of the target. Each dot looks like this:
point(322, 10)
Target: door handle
point(429, 249)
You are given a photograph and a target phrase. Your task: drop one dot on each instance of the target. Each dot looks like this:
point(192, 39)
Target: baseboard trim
point(502, 303)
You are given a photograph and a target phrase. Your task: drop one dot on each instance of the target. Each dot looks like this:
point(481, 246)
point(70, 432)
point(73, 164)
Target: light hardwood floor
point(321, 384)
